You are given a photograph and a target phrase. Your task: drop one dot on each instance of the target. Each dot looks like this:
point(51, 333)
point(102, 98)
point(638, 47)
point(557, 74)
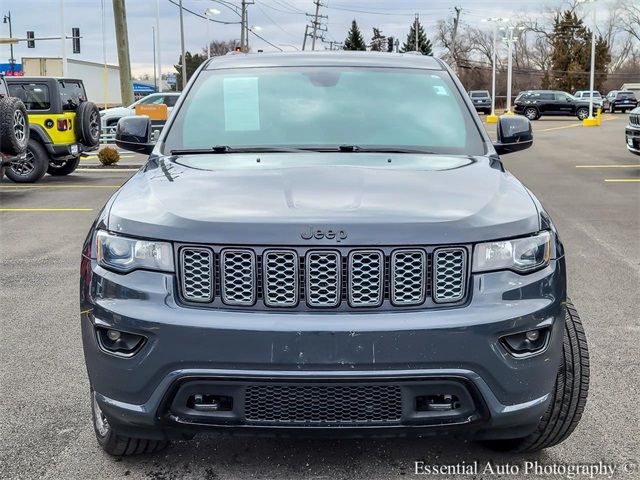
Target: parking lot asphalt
point(584, 176)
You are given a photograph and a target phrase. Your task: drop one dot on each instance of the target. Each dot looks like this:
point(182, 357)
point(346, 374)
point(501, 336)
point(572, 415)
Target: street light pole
point(63, 39)
point(12, 61)
point(158, 44)
point(208, 13)
point(495, 20)
point(184, 62)
point(509, 66)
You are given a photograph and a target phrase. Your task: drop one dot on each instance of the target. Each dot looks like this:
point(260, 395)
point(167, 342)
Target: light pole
point(493, 118)
point(209, 12)
point(63, 39)
point(184, 62)
point(590, 121)
point(510, 39)
point(158, 45)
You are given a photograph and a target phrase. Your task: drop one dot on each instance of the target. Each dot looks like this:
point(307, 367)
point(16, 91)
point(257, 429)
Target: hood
point(272, 199)
point(116, 111)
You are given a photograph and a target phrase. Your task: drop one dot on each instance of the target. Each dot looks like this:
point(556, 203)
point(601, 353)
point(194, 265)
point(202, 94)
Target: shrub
point(108, 156)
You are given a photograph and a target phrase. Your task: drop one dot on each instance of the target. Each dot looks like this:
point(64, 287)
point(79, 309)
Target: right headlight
point(125, 254)
point(519, 254)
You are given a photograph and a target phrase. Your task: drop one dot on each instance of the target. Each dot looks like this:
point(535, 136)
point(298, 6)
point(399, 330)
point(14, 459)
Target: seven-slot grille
point(319, 405)
point(309, 278)
point(634, 119)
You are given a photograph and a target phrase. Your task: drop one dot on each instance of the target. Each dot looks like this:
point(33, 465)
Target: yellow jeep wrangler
point(62, 125)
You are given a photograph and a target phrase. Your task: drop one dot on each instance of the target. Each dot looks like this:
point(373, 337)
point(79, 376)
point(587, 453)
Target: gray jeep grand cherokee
point(328, 243)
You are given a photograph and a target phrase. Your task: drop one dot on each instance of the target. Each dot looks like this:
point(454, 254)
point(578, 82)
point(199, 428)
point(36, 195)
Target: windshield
point(626, 95)
point(325, 107)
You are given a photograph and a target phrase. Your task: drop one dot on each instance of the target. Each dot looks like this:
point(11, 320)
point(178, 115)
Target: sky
point(281, 22)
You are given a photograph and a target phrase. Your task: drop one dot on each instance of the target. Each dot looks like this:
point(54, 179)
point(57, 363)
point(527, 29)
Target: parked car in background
point(585, 95)
point(481, 100)
point(110, 116)
point(276, 269)
point(62, 125)
point(534, 104)
point(632, 132)
point(622, 100)
point(14, 128)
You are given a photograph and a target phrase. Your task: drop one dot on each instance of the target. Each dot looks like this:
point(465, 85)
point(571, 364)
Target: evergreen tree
point(354, 40)
point(378, 41)
point(424, 44)
point(571, 54)
point(192, 61)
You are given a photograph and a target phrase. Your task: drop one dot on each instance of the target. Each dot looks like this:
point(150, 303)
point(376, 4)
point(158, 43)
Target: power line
point(202, 16)
point(274, 22)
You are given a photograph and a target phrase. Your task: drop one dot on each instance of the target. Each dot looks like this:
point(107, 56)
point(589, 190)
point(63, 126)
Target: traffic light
point(75, 35)
point(31, 43)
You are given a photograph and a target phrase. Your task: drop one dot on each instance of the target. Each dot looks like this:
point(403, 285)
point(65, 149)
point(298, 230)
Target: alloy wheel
point(94, 125)
point(102, 424)
point(20, 127)
point(24, 166)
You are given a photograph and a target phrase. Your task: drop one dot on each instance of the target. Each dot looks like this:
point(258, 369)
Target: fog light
point(119, 343)
point(113, 335)
point(527, 343)
point(532, 335)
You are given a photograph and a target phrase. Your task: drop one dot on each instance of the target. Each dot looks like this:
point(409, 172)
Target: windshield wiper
point(377, 149)
point(228, 149)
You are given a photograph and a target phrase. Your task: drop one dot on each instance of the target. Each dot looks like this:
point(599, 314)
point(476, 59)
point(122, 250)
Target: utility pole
point(153, 40)
point(122, 45)
point(454, 34)
point(417, 24)
point(315, 24)
point(306, 34)
point(243, 17)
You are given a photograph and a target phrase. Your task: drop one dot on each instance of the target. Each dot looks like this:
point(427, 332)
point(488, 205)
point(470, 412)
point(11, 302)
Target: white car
point(109, 116)
point(585, 95)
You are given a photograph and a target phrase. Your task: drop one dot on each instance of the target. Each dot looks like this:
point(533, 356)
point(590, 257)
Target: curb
point(111, 167)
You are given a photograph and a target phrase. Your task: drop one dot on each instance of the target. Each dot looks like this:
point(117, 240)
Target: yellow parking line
point(608, 166)
point(622, 180)
point(46, 209)
point(573, 125)
point(60, 186)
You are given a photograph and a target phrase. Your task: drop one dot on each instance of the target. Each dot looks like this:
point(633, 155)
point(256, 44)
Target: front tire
point(582, 113)
point(531, 113)
point(569, 396)
point(119, 445)
point(31, 167)
point(64, 167)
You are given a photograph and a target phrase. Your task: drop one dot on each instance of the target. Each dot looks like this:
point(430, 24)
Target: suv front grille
point(634, 119)
point(449, 269)
point(308, 278)
point(321, 405)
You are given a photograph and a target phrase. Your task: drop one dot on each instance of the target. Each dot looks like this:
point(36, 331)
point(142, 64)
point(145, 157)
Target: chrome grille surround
point(449, 274)
point(366, 278)
point(238, 276)
point(408, 277)
point(196, 274)
point(322, 278)
point(634, 119)
point(280, 283)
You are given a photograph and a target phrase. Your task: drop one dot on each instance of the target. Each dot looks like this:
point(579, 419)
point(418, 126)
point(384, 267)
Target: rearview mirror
point(514, 134)
point(134, 134)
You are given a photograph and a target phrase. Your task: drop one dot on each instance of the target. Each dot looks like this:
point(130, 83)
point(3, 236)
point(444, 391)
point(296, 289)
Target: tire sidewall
point(40, 164)
point(86, 114)
point(12, 110)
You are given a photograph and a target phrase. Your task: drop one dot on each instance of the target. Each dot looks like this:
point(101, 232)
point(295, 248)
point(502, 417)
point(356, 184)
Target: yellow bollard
point(493, 118)
point(593, 121)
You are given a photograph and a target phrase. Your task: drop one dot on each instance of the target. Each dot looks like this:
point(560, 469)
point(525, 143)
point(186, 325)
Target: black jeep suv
point(534, 104)
point(622, 100)
point(286, 262)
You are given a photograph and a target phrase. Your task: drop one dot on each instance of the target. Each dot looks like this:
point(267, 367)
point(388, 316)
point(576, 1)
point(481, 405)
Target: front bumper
point(632, 139)
point(452, 349)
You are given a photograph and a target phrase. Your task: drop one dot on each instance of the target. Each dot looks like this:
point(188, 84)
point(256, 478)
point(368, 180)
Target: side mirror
point(514, 134)
point(134, 134)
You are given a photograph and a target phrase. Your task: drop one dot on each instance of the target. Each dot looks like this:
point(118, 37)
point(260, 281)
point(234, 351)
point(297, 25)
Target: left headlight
point(126, 254)
point(519, 254)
